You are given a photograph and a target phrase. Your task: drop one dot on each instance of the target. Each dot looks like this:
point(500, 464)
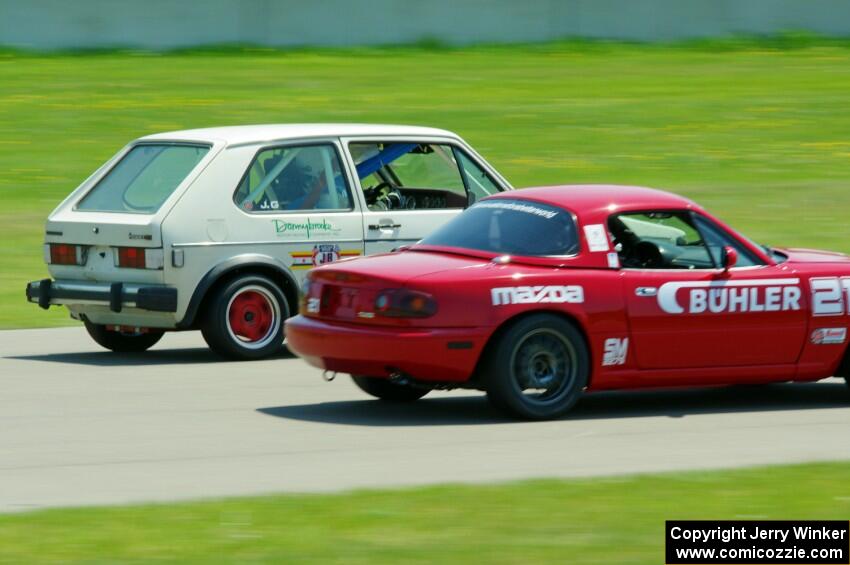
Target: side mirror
point(728, 257)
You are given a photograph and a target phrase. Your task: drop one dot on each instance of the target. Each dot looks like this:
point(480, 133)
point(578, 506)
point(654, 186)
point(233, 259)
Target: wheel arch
point(236, 266)
point(842, 369)
point(574, 320)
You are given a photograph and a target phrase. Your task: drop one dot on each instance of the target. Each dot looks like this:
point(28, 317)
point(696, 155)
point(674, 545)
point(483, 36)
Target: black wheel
point(244, 318)
point(122, 342)
point(387, 390)
point(537, 368)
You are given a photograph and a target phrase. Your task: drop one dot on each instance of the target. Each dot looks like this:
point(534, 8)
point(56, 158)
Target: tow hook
point(328, 376)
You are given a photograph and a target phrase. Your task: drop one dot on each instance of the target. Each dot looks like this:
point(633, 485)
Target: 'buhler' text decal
point(764, 295)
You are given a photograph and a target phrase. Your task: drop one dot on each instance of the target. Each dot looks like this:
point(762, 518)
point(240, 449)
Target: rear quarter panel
point(494, 296)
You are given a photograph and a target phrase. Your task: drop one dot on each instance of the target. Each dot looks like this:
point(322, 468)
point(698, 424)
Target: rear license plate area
point(343, 301)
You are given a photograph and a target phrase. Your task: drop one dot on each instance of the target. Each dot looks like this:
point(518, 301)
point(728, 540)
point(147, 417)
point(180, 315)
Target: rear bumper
point(114, 295)
point(428, 354)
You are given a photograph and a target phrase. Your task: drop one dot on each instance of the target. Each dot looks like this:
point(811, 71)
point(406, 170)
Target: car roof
point(602, 199)
point(250, 134)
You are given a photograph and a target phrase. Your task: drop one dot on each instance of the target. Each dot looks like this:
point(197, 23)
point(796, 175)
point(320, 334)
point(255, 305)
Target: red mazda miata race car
point(537, 295)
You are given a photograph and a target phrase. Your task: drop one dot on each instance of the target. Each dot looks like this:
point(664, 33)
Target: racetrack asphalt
point(83, 426)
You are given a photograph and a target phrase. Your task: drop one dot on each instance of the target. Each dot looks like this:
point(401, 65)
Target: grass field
point(614, 520)
point(758, 131)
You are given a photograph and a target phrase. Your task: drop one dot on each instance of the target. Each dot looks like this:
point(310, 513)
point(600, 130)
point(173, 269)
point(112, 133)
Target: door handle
point(646, 291)
point(376, 227)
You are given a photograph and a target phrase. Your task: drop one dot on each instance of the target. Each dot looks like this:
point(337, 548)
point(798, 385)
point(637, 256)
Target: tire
point(537, 368)
point(121, 342)
point(244, 318)
point(387, 390)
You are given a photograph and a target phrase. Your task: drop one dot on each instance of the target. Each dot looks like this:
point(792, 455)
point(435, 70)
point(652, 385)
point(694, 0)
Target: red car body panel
point(697, 327)
point(423, 353)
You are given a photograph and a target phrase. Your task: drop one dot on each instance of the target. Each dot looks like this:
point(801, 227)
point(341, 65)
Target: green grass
point(610, 520)
point(758, 131)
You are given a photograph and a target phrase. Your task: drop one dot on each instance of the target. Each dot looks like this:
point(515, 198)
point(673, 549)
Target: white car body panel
point(200, 227)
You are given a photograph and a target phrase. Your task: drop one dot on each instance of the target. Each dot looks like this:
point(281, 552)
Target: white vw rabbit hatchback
point(213, 229)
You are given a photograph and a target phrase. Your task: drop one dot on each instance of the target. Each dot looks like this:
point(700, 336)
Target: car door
point(687, 312)
point(408, 187)
point(300, 194)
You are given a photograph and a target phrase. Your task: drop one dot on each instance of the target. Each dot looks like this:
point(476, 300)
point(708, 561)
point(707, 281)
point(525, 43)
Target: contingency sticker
point(321, 254)
point(613, 260)
point(597, 240)
point(826, 336)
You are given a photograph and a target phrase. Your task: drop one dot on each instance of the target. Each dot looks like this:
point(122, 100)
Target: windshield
point(143, 179)
point(510, 227)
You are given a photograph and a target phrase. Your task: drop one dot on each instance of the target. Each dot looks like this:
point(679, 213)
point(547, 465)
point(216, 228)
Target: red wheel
point(244, 318)
point(253, 316)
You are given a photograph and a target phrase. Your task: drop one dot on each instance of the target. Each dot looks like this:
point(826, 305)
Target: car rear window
point(510, 227)
point(144, 178)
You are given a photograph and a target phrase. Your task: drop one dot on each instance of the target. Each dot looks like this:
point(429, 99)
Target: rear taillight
point(64, 254)
point(138, 258)
point(403, 303)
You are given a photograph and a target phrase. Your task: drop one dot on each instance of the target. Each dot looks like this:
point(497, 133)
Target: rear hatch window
point(144, 178)
point(510, 227)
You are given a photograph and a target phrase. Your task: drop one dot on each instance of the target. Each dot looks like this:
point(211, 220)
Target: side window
point(408, 175)
point(286, 179)
point(716, 239)
point(479, 182)
point(659, 240)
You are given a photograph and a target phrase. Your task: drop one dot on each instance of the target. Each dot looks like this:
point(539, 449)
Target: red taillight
point(131, 257)
point(403, 303)
point(139, 257)
point(65, 254)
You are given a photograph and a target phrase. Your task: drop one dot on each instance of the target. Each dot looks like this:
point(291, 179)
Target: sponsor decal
point(527, 208)
point(615, 351)
point(757, 295)
point(830, 296)
point(826, 336)
point(552, 294)
point(313, 305)
point(597, 239)
point(307, 228)
point(321, 254)
point(613, 260)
